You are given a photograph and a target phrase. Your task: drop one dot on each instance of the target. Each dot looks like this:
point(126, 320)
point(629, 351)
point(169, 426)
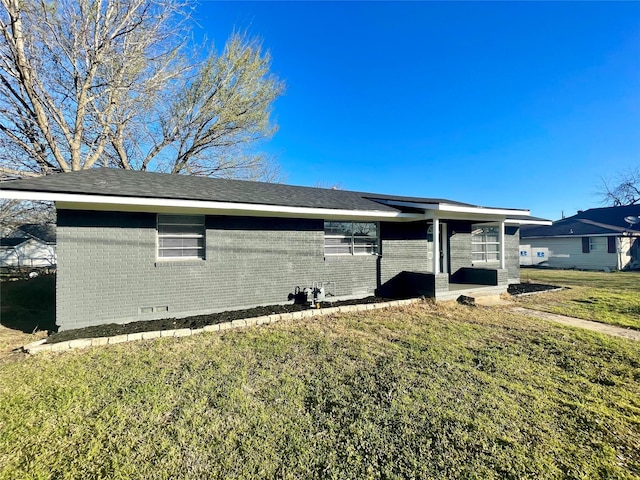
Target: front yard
point(612, 298)
point(427, 391)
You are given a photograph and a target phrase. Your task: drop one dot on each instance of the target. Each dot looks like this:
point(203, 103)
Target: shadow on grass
point(29, 305)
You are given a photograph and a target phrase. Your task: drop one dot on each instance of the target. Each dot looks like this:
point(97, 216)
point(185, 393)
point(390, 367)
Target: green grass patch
point(626, 281)
point(419, 392)
point(612, 298)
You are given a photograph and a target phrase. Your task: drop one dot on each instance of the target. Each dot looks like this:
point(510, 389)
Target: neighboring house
point(138, 245)
point(29, 246)
point(595, 239)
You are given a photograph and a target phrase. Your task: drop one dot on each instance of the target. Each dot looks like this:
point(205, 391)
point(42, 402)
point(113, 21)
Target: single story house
point(29, 246)
point(595, 239)
point(138, 245)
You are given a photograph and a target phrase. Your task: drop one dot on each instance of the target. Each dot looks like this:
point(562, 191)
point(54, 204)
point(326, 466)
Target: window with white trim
point(351, 238)
point(485, 243)
point(181, 236)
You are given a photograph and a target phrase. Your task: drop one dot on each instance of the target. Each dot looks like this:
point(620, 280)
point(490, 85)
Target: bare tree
point(623, 190)
point(119, 83)
point(14, 213)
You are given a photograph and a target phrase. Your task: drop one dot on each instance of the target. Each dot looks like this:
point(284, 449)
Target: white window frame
point(353, 246)
point(479, 244)
point(193, 222)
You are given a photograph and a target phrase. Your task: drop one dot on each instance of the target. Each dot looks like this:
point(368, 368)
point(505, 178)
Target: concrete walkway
point(577, 322)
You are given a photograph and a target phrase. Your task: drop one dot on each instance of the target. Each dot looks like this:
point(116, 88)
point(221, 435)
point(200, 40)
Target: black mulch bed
point(520, 288)
point(199, 321)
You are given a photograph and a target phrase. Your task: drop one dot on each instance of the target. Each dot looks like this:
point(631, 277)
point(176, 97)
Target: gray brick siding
point(460, 251)
point(404, 247)
point(108, 271)
point(503, 277)
point(459, 245)
point(512, 253)
point(441, 282)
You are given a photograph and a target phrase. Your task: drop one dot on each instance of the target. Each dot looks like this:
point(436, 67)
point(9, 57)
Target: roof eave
point(513, 221)
point(448, 211)
point(74, 201)
point(436, 208)
point(580, 235)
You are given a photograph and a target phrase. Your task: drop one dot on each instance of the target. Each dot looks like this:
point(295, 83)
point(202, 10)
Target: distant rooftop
point(42, 231)
point(595, 221)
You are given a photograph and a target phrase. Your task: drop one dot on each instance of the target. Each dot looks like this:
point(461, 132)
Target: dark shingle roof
point(400, 198)
point(11, 242)
point(596, 221)
point(42, 231)
point(117, 182)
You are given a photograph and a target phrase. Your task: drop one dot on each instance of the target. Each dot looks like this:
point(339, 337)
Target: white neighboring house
point(29, 246)
point(594, 239)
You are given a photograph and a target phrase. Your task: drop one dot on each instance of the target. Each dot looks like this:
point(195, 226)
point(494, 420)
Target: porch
point(464, 256)
point(456, 249)
point(472, 282)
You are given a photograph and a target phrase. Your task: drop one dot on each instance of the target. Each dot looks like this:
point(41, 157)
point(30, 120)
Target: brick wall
point(108, 271)
point(461, 251)
point(404, 247)
point(512, 253)
point(460, 255)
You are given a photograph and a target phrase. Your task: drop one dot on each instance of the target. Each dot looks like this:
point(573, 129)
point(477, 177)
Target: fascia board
point(104, 202)
point(577, 235)
point(474, 217)
point(446, 207)
point(482, 210)
point(511, 221)
point(236, 210)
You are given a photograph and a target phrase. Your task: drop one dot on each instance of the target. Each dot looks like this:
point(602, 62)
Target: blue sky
point(514, 104)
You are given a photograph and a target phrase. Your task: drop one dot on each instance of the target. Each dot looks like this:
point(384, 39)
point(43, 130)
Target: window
point(350, 238)
point(180, 236)
point(485, 243)
point(597, 244)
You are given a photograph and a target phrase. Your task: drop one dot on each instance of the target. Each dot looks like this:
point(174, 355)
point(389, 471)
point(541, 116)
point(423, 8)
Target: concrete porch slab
point(475, 291)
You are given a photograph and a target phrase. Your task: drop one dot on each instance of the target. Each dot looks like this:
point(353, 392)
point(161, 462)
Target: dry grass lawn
point(427, 391)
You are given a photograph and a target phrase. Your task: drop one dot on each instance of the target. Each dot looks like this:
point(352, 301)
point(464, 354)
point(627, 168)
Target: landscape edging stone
point(40, 346)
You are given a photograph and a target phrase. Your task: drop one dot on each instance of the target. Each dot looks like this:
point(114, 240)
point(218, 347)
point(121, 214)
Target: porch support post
point(436, 246)
point(502, 245)
point(445, 247)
